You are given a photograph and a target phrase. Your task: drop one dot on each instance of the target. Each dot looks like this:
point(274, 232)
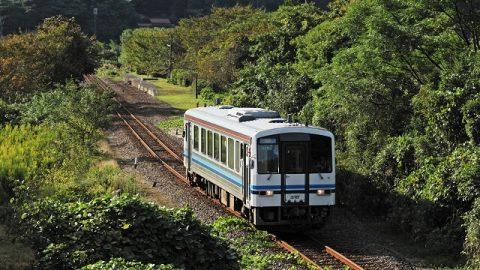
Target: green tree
point(398, 86)
point(216, 44)
point(34, 61)
point(150, 50)
point(268, 78)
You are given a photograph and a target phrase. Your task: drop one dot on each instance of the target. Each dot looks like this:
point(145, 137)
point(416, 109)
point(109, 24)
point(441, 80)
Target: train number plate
point(296, 197)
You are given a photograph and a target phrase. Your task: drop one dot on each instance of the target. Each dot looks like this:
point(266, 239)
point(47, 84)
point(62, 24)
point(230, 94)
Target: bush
point(121, 264)
point(256, 248)
point(72, 235)
point(92, 182)
point(180, 77)
point(358, 194)
point(27, 153)
point(472, 239)
point(53, 156)
point(209, 96)
point(7, 113)
point(171, 123)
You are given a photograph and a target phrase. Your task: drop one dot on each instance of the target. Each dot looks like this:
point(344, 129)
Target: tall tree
point(268, 78)
point(56, 51)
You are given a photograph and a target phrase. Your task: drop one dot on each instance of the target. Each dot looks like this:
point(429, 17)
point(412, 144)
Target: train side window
point(216, 146)
point(209, 143)
point(237, 156)
point(202, 141)
point(231, 153)
point(223, 150)
point(241, 150)
point(195, 137)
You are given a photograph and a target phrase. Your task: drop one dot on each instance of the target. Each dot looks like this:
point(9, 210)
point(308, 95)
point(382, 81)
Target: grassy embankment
point(179, 97)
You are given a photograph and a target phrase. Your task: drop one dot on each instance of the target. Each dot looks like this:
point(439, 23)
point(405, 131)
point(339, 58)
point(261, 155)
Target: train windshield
point(320, 154)
point(295, 150)
point(268, 156)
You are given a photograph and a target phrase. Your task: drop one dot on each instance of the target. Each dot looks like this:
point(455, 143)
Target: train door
point(188, 143)
point(245, 175)
point(294, 173)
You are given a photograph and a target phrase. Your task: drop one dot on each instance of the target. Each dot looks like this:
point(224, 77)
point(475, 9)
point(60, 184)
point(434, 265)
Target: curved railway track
point(309, 248)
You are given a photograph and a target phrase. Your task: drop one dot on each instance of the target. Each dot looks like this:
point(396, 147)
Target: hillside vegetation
point(396, 81)
point(64, 209)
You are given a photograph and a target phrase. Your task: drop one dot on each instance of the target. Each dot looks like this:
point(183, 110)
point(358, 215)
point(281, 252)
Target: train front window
point(320, 154)
point(294, 158)
point(268, 156)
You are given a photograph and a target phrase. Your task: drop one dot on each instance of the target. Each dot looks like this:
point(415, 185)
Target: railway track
point(309, 248)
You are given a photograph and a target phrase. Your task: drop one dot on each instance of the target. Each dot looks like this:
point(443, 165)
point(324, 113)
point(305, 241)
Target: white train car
point(274, 171)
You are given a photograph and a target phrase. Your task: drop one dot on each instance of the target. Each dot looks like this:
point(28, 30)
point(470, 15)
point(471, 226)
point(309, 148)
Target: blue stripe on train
point(290, 187)
point(238, 181)
point(230, 177)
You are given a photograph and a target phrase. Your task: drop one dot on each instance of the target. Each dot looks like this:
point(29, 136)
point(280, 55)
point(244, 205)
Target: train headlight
point(321, 192)
point(269, 192)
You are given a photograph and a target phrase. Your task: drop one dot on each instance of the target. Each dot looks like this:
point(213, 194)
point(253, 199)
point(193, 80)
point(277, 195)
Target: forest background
point(397, 82)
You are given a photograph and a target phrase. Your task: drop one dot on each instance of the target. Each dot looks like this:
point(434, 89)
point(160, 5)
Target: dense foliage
point(149, 51)
point(58, 195)
point(254, 246)
point(121, 264)
point(216, 44)
point(399, 88)
point(397, 83)
point(56, 51)
point(52, 142)
point(268, 78)
point(114, 16)
point(71, 235)
point(186, 8)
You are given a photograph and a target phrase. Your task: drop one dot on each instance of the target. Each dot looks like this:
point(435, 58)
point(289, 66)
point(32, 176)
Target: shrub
point(256, 248)
point(121, 264)
point(171, 123)
point(51, 157)
point(27, 153)
point(180, 77)
point(7, 113)
point(92, 182)
point(472, 239)
point(71, 235)
point(209, 96)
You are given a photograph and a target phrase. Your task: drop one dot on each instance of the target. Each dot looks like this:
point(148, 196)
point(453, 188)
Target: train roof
point(246, 121)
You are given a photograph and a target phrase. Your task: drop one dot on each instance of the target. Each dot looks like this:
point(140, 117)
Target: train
point(276, 172)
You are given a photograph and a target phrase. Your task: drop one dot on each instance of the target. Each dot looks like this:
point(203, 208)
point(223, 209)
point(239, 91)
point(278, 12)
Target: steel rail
point(182, 179)
point(150, 150)
point(293, 250)
point(105, 86)
point(151, 134)
point(342, 258)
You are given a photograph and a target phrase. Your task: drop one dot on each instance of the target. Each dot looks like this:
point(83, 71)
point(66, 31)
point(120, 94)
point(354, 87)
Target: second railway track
point(310, 249)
